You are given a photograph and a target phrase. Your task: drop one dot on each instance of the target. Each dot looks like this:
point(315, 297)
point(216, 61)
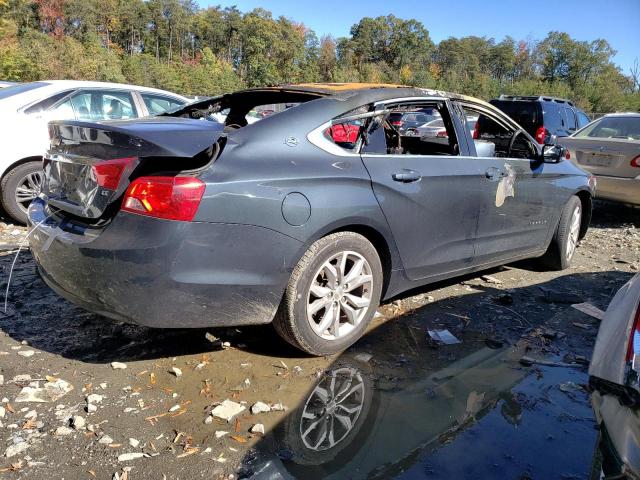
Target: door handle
point(406, 176)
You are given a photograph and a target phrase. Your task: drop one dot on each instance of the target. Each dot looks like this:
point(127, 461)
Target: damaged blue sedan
point(307, 218)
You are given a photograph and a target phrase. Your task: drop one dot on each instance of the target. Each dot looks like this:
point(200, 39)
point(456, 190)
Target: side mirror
point(553, 153)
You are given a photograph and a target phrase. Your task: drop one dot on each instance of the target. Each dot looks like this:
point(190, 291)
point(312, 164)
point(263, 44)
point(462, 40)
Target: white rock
point(1, 380)
point(26, 353)
point(227, 410)
point(103, 385)
point(2, 412)
point(126, 457)
point(257, 428)
point(91, 408)
point(94, 398)
point(208, 420)
point(174, 408)
point(118, 365)
point(25, 377)
point(134, 443)
point(176, 371)
point(363, 357)
point(50, 392)
point(31, 414)
point(16, 449)
point(78, 422)
point(260, 407)
point(61, 431)
point(105, 440)
point(278, 407)
point(220, 433)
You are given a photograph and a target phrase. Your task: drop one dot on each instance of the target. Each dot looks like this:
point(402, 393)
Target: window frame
point(170, 98)
point(90, 90)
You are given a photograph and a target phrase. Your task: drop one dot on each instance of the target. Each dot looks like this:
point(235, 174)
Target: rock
point(62, 431)
point(176, 371)
point(1, 380)
point(174, 408)
point(490, 279)
point(227, 410)
point(363, 357)
point(16, 449)
point(126, 457)
point(118, 365)
point(78, 422)
point(91, 408)
point(103, 385)
point(105, 440)
point(94, 398)
point(23, 378)
point(220, 433)
point(257, 428)
point(208, 420)
point(50, 392)
point(2, 412)
point(134, 443)
point(260, 407)
point(26, 353)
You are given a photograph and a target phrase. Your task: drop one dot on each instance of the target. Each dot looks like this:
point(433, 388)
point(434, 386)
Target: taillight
point(476, 131)
point(397, 123)
point(633, 350)
point(567, 155)
point(541, 135)
point(108, 172)
point(636, 162)
point(171, 198)
point(442, 133)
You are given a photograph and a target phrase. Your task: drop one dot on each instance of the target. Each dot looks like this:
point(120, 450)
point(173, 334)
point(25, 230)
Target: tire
point(565, 240)
point(316, 284)
point(28, 176)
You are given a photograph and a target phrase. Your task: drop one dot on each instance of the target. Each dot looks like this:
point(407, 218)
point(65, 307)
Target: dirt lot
point(410, 407)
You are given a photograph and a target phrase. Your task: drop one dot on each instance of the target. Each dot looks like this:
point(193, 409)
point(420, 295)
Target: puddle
point(483, 416)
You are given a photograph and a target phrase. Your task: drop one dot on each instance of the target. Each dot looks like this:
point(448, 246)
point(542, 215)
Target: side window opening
point(493, 139)
point(347, 134)
point(412, 129)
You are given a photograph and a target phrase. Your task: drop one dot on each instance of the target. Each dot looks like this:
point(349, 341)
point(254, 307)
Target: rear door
point(428, 190)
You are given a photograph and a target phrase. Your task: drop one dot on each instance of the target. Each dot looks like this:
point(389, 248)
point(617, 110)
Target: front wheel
point(19, 187)
point(564, 242)
point(332, 294)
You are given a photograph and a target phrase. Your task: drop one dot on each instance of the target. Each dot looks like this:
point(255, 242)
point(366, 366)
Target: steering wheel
point(513, 140)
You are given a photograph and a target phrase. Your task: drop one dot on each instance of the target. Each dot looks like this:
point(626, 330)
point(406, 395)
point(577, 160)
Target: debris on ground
point(529, 361)
point(589, 309)
point(443, 336)
point(227, 410)
point(118, 365)
point(257, 428)
point(260, 407)
point(490, 279)
point(51, 391)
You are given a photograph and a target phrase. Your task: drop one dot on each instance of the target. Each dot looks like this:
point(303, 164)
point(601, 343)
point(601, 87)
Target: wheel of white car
point(19, 187)
point(332, 294)
point(564, 242)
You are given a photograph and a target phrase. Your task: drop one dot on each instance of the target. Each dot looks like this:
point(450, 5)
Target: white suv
point(26, 108)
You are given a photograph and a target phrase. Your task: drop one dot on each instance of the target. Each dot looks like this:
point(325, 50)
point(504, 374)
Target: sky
point(617, 21)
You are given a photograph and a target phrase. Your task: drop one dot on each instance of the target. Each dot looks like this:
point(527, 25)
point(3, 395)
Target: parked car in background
point(406, 121)
point(609, 148)
point(614, 379)
point(543, 116)
point(26, 108)
point(5, 84)
point(172, 221)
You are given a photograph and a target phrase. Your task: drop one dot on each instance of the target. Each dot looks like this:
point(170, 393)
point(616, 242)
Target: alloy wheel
point(28, 189)
point(340, 295)
point(332, 409)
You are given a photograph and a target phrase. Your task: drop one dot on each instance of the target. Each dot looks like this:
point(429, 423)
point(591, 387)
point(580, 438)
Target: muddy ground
point(397, 404)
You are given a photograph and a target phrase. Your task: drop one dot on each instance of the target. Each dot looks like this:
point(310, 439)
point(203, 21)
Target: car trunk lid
point(90, 164)
point(606, 157)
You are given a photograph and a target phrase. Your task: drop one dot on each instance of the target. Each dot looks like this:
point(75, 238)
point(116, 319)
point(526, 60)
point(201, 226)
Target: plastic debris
point(443, 336)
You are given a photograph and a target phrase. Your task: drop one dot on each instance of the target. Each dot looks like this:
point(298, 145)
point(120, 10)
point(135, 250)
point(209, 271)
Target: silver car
point(613, 377)
point(609, 148)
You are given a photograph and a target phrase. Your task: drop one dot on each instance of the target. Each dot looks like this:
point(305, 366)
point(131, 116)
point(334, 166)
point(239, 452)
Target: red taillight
point(171, 198)
point(442, 133)
point(636, 162)
point(634, 339)
point(541, 135)
point(109, 172)
point(476, 131)
point(567, 155)
point(396, 124)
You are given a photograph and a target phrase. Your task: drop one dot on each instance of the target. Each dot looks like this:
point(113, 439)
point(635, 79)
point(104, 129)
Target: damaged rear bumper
point(163, 273)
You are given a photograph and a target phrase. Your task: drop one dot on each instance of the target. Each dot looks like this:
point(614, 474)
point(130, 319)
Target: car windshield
point(524, 113)
point(16, 89)
point(612, 127)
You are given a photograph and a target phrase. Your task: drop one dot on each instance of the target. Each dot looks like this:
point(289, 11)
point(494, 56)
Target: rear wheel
point(332, 294)
point(19, 187)
point(564, 243)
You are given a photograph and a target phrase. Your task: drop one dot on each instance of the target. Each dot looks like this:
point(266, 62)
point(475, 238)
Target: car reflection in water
point(352, 427)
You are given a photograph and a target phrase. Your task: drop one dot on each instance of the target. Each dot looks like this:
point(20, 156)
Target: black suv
point(543, 116)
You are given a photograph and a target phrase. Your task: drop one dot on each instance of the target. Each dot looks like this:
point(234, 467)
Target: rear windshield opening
point(524, 113)
point(237, 110)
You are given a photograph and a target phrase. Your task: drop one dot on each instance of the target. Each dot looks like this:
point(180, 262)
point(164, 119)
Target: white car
point(25, 110)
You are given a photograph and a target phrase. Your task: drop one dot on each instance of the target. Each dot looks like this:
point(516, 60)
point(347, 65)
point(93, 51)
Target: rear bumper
point(163, 273)
point(625, 190)
point(620, 439)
